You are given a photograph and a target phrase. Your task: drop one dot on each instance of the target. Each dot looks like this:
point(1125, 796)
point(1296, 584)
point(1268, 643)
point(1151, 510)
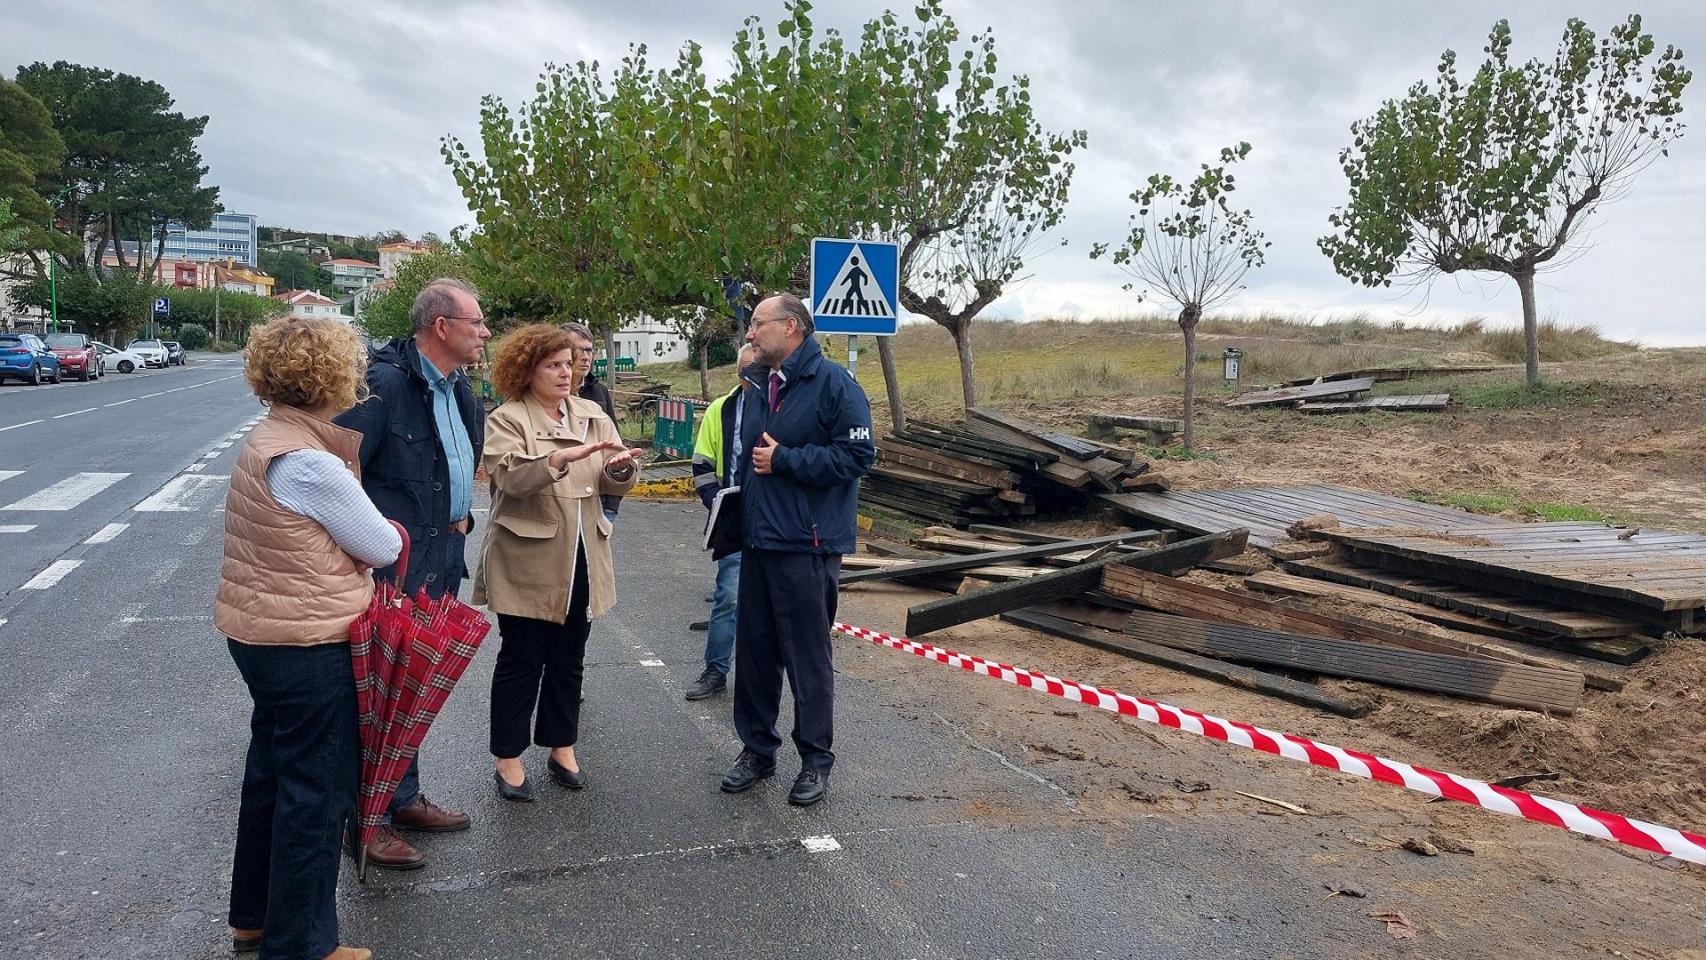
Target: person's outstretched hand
point(562, 458)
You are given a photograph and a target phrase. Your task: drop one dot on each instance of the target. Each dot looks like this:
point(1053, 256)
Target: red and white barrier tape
point(1585, 820)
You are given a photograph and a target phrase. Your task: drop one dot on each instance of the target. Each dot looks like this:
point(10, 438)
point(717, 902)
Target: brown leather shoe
point(245, 941)
point(350, 953)
point(392, 852)
point(429, 817)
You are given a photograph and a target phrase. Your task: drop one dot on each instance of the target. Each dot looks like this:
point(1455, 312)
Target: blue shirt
point(453, 437)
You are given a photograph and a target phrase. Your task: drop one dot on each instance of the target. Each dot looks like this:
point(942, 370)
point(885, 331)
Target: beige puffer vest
point(284, 579)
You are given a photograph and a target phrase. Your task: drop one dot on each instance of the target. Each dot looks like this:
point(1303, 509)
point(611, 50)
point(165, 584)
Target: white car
point(153, 351)
point(124, 361)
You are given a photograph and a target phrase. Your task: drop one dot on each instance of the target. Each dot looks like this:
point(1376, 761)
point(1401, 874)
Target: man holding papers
point(716, 451)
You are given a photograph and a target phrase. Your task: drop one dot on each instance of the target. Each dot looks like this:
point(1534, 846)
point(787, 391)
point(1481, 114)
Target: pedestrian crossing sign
point(855, 286)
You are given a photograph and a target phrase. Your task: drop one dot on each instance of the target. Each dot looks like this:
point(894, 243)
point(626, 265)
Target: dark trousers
point(409, 787)
point(787, 601)
point(540, 664)
point(299, 785)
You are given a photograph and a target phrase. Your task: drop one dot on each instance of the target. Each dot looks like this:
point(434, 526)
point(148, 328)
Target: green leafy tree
point(1190, 248)
point(29, 147)
point(386, 314)
point(111, 309)
point(294, 271)
point(961, 172)
point(229, 312)
point(131, 164)
point(193, 336)
point(1498, 173)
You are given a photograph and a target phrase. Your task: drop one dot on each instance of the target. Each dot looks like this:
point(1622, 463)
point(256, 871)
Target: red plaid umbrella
point(408, 654)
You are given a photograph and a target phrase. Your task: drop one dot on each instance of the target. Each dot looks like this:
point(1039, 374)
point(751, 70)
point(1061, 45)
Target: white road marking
point(223, 444)
point(67, 494)
point(26, 423)
point(823, 844)
point(197, 618)
point(651, 663)
point(150, 396)
point(108, 533)
point(9, 474)
point(50, 577)
point(73, 413)
point(196, 467)
point(177, 493)
point(16, 527)
point(121, 403)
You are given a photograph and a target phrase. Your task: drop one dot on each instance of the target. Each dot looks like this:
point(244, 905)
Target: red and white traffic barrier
point(1585, 820)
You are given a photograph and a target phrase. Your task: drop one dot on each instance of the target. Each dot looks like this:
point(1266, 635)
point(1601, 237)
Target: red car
point(77, 355)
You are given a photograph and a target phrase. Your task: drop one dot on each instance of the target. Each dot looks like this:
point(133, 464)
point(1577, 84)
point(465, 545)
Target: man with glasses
point(422, 430)
point(806, 433)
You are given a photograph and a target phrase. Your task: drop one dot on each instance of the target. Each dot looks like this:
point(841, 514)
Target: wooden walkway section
point(1656, 576)
point(1312, 391)
point(1267, 511)
point(1421, 403)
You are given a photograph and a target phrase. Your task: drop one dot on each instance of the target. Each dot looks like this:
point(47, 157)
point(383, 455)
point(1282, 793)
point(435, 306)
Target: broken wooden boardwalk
point(1267, 511)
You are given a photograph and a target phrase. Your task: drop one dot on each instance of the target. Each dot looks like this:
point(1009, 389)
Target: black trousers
point(299, 785)
point(787, 601)
point(540, 665)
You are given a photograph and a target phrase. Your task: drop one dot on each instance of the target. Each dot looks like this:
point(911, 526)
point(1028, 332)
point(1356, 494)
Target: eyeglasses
point(476, 321)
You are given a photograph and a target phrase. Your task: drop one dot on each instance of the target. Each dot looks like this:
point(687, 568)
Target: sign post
point(855, 290)
point(162, 308)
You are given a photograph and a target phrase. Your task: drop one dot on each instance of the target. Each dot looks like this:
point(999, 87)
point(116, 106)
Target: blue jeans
point(299, 786)
point(720, 629)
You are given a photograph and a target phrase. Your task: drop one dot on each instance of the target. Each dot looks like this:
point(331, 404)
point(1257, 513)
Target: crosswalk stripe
point(108, 533)
point(9, 474)
point(16, 527)
point(50, 577)
point(67, 494)
point(179, 493)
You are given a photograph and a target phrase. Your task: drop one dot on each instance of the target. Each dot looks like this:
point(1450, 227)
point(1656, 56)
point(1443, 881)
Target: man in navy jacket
point(806, 425)
point(421, 437)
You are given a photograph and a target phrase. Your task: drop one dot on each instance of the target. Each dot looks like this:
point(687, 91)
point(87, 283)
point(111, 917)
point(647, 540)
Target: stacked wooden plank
point(1420, 403)
point(993, 467)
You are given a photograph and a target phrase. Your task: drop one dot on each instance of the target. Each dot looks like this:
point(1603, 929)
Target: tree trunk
point(705, 370)
point(1530, 327)
point(1188, 322)
point(968, 379)
point(891, 383)
point(610, 353)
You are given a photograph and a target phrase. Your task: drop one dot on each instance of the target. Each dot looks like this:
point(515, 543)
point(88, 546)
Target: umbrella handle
point(402, 566)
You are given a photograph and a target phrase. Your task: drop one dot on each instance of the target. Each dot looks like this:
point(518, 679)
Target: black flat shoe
point(521, 794)
point(749, 768)
point(574, 780)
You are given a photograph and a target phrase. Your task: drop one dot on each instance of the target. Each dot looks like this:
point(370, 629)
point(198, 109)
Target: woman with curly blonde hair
point(545, 568)
point(300, 539)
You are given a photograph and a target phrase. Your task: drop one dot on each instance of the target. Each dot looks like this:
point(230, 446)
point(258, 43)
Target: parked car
point(112, 358)
point(77, 355)
point(25, 357)
point(174, 352)
point(153, 351)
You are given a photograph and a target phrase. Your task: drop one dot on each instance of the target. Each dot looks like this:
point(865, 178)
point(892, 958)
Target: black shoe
point(700, 625)
point(710, 682)
point(748, 770)
point(710, 598)
point(809, 788)
point(520, 794)
point(573, 779)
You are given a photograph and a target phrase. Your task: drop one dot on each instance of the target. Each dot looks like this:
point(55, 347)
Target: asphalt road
point(125, 725)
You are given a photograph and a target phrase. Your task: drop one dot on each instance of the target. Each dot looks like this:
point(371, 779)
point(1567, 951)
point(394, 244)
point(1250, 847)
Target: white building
point(306, 304)
point(351, 275)
point(14, 315)
point(651, 341)
point(394, 255)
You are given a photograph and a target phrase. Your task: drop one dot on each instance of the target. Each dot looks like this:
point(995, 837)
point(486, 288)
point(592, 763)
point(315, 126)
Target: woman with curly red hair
point(300, 540)
point(545, 568)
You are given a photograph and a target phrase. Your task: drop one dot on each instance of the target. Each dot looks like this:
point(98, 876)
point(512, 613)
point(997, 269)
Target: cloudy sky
point(328, 116)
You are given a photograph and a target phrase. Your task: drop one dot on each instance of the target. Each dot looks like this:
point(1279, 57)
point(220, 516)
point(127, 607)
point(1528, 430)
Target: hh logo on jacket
point(859, 433)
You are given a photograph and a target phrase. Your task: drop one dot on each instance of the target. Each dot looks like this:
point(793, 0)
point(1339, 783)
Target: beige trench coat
point(527, 563)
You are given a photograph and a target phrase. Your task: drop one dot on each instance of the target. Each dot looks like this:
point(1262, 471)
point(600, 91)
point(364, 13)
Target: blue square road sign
point(855, 286)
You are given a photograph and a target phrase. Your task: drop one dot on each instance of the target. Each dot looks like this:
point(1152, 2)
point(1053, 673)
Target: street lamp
point(53, 263)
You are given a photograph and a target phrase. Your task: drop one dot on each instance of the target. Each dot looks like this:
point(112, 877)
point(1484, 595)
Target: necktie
point(775, 387)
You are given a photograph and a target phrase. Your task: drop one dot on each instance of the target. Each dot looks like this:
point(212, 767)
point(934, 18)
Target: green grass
point(1541, 509)
point(1550, 394)
point(1178, 453)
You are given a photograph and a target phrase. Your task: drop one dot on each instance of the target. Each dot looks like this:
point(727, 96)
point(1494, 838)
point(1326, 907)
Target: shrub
point(193, 336)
